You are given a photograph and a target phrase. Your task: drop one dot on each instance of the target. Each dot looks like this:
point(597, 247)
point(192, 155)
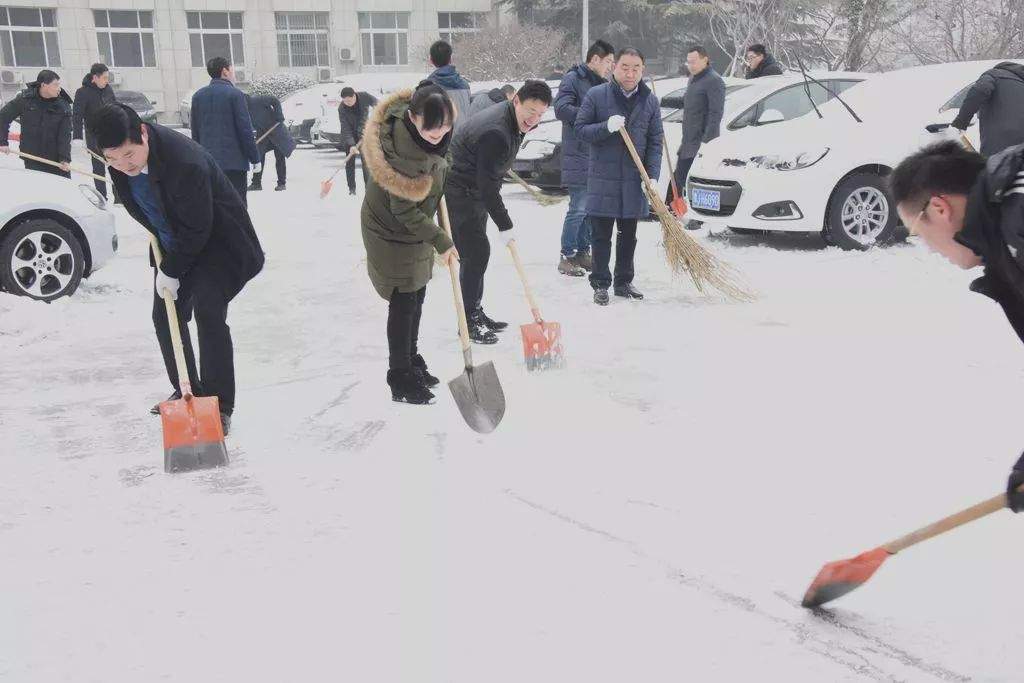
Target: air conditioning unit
point(345, 54)
point(116, 78)
point(9, 77)
point(241, 76)
point(324, 74)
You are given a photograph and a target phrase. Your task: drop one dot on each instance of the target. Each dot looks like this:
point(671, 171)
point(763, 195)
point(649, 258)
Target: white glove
point(507, 236)
point(643, 188)
point(257, 168)
point(165, 281)
point(615, 123)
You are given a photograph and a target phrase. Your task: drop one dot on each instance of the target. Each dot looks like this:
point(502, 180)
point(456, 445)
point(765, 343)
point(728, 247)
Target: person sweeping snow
point(404, 147)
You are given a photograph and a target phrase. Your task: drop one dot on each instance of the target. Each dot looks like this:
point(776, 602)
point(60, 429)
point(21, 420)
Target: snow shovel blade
point(193, 434)
point(542, 346)
point(678, 206)
point(836, 579)
point(478, 394)
point(325, 188)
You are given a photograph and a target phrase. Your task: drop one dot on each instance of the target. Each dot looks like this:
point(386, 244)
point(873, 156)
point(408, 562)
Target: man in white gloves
point(616, 192)
point(173, 188)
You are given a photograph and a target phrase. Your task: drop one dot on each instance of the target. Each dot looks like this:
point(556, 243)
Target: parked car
point(140, 102)
point(828, 175)
point(53, 233)
point(377, 84)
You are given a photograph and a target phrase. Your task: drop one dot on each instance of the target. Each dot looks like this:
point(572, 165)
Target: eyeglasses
point(920, 214)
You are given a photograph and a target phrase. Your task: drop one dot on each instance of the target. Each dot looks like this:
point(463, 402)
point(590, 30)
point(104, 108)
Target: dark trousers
point(99, 169)
point(625, 247)
point(469, 232)
point(682, 170)
point(45, 168)
point(239, 181)
point(404, 312)
point(280, 162)
point(203, 295)
point(350, 172)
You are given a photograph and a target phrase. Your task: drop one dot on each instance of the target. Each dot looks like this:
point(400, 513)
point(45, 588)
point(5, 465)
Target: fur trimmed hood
point(393, 159)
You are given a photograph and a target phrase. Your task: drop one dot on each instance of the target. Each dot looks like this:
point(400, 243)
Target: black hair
point(98, 69)
point(348, 92)
point(757, 49)
point(215, 67)
point(600, 48)
point(441, 53)
point(113, 124)
point(46, 77)
point(941, 168)
point(508, 89)
point(432, 103)
point(632, 51)
point(535, 90)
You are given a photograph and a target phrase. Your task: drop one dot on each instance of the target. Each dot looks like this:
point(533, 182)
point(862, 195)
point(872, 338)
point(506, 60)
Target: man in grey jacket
point(447, 77)
point(703, 106)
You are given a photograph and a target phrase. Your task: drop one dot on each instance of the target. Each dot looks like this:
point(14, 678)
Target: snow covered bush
point(512, 53)
point(280, 85)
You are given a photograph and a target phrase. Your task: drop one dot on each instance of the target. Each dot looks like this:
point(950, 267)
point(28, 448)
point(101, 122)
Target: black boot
point(585, 260)
point(255, 185)
point(280, 187)
point(628, 291)
point(225, 423)
point(155, 410)
point(492, 325)
point(478, 331)
point(351, 190)
point(419, 366)
point(601, 296)
point(406, 387)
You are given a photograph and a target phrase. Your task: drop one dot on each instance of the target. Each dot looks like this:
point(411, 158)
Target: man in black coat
point(482, 152)
point(998, 97)
point(268, 120)
point(703, 107)
point(972, 212)
point(44, 110)
point(760, 62)
point(94, 94)
point(174, 188)
point(352, 114)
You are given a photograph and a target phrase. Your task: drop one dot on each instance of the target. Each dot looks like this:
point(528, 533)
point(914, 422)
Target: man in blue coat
point(616, 192)
point(575, 256)
point(221, 123)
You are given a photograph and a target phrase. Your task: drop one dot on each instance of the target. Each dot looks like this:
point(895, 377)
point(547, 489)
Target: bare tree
point(959, 30)
point(513, 53)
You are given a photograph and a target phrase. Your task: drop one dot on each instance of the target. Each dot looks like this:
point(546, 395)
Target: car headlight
point(789, 162)
point(94, 197)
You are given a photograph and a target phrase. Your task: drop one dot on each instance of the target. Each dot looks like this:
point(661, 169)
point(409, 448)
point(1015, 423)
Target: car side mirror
point(770, 116)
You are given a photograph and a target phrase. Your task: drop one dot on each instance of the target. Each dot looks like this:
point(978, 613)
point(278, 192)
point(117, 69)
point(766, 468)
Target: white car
point(53, 232)
point(828, 175)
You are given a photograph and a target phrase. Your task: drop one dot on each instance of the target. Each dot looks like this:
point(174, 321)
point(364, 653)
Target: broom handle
point(460, 307)
point(269, 131)
point(668, 156)
point(967, 142)
point(533, 192)
point(534, 308)
point(636, 157)
point(96, 156)
point(971, 514)
point(41, 160)
point(172, 321)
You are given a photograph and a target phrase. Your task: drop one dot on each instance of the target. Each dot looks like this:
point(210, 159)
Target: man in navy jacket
point(221, 123)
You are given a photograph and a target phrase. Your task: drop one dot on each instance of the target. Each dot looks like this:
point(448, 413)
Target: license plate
point(710, 200)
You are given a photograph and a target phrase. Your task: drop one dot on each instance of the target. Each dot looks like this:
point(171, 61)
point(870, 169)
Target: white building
point(160, 47)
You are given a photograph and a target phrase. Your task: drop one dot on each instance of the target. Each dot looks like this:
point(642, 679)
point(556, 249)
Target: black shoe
point(601, 296)
point(155, 410)
point(568, 266)
point(280, 187)
point(351, 190)
point(479, 332)
point(628, 292)
point(406, 387)
point(492, 325)
point(419, 367)
point(585, 260)
point(254, 186)
point(225, 423)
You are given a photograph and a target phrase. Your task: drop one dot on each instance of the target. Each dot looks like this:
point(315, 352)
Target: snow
point(652, 513)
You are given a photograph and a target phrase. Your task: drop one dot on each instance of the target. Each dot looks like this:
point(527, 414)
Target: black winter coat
point(265, 111)
point(703, 107)
point(207, 219)
point(575, 85)
point(483, 150)
point(999, 97)
point(88, 100)
point(353, 119)
point(45, 124)
point(767, 67)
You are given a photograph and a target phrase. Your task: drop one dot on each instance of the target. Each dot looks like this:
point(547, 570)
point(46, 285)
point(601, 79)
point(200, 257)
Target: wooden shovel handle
point(668, 156)
point(50, 162)
point(268, 132)
point(453, 270)
point(534, 308)
point(343, 162)
point(971, 514)
point(967, 142)
point(529, 188)
point(172, 321)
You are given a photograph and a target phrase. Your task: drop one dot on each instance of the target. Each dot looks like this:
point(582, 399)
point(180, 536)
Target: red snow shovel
point(477, 391)
point(542, 341)
point(838, 578)
point(326, 185)
point(678, 204)
point(193, 434)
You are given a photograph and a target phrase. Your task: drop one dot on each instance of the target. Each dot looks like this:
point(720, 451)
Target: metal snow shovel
point(193, 434)
point(838, 578)
point(477, 391)
point(542, 341)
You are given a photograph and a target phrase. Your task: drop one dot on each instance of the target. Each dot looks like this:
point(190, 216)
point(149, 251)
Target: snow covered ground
point(651, 513)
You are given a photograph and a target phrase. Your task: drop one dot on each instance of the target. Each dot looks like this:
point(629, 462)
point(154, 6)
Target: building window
point(125, 37)
point(215, 34)
point(451, 24)
point(28, 37)
point(302, 38)
point(384, 37)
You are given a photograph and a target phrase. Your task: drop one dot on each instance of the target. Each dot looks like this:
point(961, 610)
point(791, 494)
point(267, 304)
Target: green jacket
point(402, 195)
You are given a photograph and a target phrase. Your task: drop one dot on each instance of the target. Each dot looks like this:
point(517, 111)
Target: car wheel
point(861, 213)
point(41, 259)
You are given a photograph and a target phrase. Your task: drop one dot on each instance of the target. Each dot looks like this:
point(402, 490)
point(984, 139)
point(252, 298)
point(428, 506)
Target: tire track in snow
point(857, 659)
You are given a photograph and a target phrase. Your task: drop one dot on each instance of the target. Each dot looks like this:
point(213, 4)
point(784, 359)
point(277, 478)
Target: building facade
point(160, 47)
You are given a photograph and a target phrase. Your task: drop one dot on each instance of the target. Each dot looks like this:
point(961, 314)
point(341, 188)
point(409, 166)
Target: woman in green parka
point(404, 146)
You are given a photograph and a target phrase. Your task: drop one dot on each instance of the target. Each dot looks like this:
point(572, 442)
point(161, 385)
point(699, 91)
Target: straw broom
point(683, 252)
point(542, 199)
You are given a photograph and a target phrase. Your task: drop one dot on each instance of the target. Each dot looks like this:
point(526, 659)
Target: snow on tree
point(280, 85)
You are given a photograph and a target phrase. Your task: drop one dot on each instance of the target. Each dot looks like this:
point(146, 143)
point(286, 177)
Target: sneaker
point(585, 260)
point(628, 292)
point(492, 325)
point(479, 332)
point(225, 423)
point(155, 410)
point(255, 186)
point(406, 387)
point(419, 367)
point(568, 266)
point(280, 187)
point(601, 296)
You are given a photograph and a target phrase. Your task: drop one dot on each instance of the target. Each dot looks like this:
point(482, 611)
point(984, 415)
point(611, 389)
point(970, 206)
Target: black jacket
point(994, 230)
point(998, 97)
point(88, 100)
point(265, 111)
point(767, 67)
point(45, 124)
point(483, 150)
point(207, 218)
point(353, 119)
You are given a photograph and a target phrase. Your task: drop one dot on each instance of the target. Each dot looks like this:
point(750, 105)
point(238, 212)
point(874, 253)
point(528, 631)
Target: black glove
point(1015, 500)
